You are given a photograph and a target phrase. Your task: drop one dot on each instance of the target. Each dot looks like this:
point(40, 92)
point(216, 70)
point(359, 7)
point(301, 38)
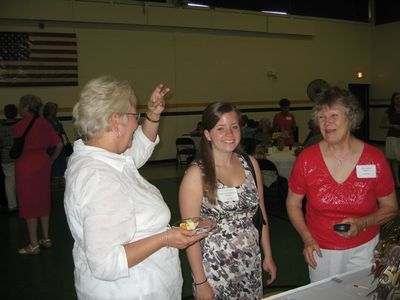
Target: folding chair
point(275, 188)
point(296, 134)
point(185, 150)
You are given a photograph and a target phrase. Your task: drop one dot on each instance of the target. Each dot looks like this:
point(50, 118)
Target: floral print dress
point(231, 253)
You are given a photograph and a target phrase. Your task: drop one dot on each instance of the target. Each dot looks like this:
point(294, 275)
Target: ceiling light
point(274, 12)
point(360, 74)
point(197, 5)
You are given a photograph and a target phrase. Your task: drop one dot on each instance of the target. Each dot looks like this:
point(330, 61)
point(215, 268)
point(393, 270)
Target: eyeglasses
point(136, 115)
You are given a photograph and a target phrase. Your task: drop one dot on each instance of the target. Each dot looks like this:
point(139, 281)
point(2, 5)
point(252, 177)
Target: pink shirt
point(328, 202)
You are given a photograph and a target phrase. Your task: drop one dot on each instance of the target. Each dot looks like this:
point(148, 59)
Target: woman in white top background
point(123, 248)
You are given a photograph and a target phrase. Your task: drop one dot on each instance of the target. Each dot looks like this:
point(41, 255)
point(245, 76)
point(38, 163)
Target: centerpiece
point(278, 138)
point(386, 270)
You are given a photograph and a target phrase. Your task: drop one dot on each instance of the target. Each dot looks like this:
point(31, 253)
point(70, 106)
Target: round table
point(283, 161)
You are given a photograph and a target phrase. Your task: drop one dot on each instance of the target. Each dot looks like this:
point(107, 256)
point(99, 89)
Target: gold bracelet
point(154, 121)
point(166, 239)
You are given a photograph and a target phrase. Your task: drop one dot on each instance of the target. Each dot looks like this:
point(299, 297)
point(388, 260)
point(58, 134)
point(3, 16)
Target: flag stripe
point(52, 34)
point(38, 59)
point(37, 83)
point(39, 75)
point(51, 51)
point(37, 63)
point(44, 80)
point(53, 43)
point(32, 67)
point(53, 59)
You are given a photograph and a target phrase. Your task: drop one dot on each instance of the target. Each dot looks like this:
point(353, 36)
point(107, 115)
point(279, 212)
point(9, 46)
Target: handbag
point(258, 218)
point(18, 145)
point(68, 149)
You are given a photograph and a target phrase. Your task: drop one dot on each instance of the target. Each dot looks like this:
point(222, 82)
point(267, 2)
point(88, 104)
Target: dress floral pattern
point(231, 254)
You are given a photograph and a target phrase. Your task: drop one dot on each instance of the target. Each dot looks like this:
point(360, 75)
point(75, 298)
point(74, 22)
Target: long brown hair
point(211, 115)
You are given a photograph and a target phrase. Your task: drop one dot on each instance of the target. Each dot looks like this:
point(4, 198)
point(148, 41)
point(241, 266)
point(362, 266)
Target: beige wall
point(203, 55)
point(386, 78)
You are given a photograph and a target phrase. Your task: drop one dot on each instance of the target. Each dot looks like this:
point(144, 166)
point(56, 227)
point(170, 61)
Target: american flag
point(38, 59)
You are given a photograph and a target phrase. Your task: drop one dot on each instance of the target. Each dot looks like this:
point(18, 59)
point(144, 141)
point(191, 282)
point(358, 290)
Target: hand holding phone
point(341, 227)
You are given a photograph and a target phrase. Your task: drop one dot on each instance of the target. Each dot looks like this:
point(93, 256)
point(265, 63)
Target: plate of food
point(200, 225)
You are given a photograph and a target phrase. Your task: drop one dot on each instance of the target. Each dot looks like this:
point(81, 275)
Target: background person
point(123, 246)
point(345, 181)
point(314, 135)
point(7, 163)
point(250, 129)
point(32, 172)
point(226, 264)
point(59, 166)
point(284, 121)
point(198, 130)
point(391, 120)
point(263, 135)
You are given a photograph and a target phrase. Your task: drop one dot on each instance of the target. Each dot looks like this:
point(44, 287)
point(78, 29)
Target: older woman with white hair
point(123, 246)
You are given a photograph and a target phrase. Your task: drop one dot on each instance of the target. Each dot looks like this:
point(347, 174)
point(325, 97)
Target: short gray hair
point(99, 99)
point(33, 102)
point(342, 97)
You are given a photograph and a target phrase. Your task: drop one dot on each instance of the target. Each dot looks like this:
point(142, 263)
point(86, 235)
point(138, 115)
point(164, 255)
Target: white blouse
point(109, 204)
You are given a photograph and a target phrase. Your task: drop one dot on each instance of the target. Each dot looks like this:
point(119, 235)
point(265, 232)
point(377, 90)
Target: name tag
point(366, 171)
point(227, 195)
point(288, 118)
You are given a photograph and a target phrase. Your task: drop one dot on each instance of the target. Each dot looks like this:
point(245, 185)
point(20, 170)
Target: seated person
point(243, 121)
point(263, 133)
point(198, 130)
point(314, 136)
point(250, 129)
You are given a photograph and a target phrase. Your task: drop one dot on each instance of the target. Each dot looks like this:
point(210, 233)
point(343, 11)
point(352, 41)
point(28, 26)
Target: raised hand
point(156, 103)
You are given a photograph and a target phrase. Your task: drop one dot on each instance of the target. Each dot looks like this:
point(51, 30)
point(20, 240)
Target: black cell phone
point(341, 227)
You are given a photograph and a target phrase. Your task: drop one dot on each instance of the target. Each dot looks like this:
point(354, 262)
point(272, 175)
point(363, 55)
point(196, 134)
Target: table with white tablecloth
point(353, 285)
point(283, 161)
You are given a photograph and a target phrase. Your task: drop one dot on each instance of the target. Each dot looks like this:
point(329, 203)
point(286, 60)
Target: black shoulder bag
point(258, 218)
point(18, 145)
point(68, 149)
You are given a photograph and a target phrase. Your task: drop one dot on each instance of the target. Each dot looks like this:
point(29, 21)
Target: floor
point(50, 274)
